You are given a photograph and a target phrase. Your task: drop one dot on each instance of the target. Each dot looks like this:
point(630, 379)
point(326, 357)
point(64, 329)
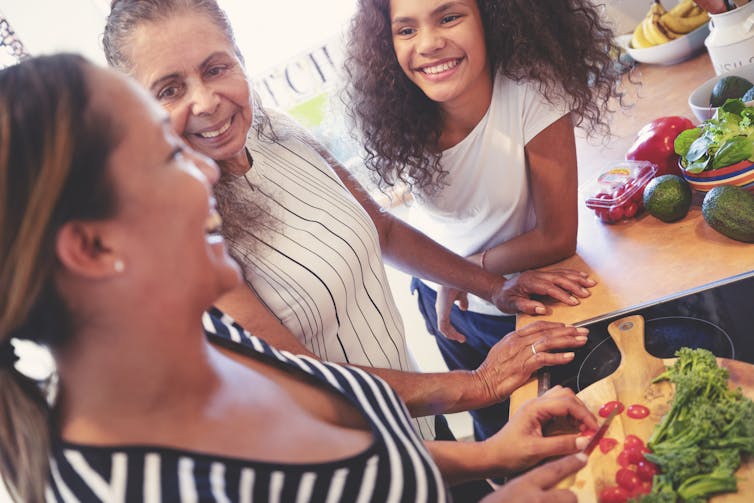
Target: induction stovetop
point(718, 317)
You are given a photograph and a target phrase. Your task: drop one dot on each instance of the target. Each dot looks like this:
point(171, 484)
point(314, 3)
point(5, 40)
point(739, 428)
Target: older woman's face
point(190, 66)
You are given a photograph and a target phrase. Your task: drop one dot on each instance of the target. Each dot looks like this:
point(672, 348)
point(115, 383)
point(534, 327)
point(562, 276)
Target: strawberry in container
point(617, 193)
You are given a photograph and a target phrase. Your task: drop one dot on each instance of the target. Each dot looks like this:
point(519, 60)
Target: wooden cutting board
point(631, 383)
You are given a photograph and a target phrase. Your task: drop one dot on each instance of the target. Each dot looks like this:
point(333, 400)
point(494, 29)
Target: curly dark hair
point(563, 45)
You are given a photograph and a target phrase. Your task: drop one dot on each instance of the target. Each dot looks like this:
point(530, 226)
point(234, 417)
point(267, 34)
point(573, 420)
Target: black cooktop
point(718, 317)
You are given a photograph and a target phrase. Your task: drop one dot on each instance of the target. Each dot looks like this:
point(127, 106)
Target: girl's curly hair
point(564, 45)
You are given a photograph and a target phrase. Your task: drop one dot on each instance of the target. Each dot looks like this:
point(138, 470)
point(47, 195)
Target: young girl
point(472, 105)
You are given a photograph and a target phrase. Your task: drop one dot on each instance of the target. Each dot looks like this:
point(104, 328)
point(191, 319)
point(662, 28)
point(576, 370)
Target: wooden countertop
point(643, 260)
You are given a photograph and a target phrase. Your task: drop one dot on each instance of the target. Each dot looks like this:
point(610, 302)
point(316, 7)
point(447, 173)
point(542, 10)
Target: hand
point(565, 285)
point(511, 361)
point(446, 297)
point(538, 485)
point(521, 443)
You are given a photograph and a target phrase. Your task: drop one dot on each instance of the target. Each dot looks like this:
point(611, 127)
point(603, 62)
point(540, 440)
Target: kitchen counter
point(643, 260)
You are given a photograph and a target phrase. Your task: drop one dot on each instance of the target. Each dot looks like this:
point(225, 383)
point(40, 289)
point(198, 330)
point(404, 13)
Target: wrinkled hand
point(564, 285)
point(446, 297)
point(521, 443)
point(539, 485)
point(511, 361)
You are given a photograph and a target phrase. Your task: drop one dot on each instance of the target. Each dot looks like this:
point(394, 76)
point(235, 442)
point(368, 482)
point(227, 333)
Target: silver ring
point(534, 349)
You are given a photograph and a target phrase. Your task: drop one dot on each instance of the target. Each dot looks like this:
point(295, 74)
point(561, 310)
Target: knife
point(600, 432)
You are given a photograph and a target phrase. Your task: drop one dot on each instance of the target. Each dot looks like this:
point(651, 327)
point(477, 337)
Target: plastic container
point(617, 193)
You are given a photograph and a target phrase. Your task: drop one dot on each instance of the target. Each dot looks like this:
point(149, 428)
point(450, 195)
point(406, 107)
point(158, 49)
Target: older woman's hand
point(564, 285)
point(521, 443)
point(512, 361)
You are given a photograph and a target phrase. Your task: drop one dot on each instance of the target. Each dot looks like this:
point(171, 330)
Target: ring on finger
point(534, 349)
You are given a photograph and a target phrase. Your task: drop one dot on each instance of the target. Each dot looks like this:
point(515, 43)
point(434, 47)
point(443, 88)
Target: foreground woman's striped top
point(395, 468)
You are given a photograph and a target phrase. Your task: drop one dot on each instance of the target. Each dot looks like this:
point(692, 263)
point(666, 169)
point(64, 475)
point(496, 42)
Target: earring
point(119, 266)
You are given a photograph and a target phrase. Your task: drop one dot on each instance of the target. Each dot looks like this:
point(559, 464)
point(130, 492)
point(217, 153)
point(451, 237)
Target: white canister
point(731, 40)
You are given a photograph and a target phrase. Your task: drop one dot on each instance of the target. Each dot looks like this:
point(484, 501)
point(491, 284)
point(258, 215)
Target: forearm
point(433, 393)
point(530, 250)
point(464, 461)
point(424, 393)
point(413, 252)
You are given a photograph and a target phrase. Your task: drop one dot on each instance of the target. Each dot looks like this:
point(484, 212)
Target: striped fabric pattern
point(396, 468)
point(316, 261)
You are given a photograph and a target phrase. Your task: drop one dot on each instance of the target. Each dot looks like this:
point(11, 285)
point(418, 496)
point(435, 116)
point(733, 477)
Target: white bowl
point(699, 98)
point(671, 52)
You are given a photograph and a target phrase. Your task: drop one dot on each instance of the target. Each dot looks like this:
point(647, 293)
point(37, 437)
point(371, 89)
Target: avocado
point(667, 197)
point(730, 211)
point(748, 95)
point(730, 87)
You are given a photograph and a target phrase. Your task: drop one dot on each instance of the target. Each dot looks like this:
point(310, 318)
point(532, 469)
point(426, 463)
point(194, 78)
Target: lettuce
point(725, 139)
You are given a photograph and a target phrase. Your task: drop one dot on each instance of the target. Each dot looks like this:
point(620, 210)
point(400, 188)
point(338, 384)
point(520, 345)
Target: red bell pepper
point(654, 143)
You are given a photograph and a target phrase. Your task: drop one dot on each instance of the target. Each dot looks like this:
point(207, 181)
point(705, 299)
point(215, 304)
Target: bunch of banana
point(660, 25)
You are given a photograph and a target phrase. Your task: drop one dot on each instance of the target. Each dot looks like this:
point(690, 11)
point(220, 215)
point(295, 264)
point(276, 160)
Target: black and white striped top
point(315, 261)
point(395, 468)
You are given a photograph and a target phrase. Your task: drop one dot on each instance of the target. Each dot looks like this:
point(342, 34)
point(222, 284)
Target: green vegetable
point(725, 139)
point(730, 211)
point(698, 444)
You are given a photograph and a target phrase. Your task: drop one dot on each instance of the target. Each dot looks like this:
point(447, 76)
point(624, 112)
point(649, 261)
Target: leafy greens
point(725, 139)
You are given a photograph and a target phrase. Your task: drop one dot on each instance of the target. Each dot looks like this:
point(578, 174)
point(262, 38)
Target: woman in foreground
point(155, 399)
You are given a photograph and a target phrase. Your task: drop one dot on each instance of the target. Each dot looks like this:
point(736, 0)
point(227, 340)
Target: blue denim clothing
point(482, 331)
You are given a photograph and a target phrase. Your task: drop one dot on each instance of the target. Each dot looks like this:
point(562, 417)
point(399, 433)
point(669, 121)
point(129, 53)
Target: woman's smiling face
point(191, 67)
point(440, 46)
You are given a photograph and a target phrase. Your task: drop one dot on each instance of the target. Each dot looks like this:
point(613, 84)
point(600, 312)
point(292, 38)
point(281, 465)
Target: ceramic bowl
point(740, 174)
point(671, 52)
point(699, 98)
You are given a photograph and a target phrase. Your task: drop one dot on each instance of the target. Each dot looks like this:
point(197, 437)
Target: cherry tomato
point(607, 444)
point(613, 494)
point(616, 213)
point(627, 479)
point(646, 470)
point(623, 459)
point(630, 209)
point(637, 411)
point(633, 442)
point(608, 407)
point(634, 455)
point(604, 215)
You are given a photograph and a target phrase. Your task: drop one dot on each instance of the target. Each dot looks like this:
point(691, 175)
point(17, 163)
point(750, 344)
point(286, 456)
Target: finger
point(448, 331)
point(529, 306)
point(537, 326)
point(463, 302)
point(557, 445)
point(550, 474)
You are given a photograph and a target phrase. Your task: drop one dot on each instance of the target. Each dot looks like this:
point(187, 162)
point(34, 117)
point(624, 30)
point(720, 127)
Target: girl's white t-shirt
point(487, 199)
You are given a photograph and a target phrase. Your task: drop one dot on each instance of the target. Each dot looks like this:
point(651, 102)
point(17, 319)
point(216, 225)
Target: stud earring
point(119, 266)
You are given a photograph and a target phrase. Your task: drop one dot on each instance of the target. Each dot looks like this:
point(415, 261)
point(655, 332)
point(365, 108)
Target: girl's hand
point(538, 485)
point(564, 285)
point(521, 442)
point(446, 297)
point(512, 361)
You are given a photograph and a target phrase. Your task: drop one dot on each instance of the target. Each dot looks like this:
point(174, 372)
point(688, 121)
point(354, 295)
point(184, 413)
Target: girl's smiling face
point(440, 46)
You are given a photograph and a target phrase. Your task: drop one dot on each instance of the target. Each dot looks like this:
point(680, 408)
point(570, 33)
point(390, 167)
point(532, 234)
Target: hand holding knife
point(600, 433)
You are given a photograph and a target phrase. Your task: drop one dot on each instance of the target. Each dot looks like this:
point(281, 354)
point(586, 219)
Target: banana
point(654, 31)
point(683, 8)
point(684, 24)
point(638, 40)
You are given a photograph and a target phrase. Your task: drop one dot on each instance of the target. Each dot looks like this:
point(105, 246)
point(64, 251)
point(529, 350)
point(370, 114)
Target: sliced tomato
point(608, 407)
point(607, 444)
point(637, 411)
